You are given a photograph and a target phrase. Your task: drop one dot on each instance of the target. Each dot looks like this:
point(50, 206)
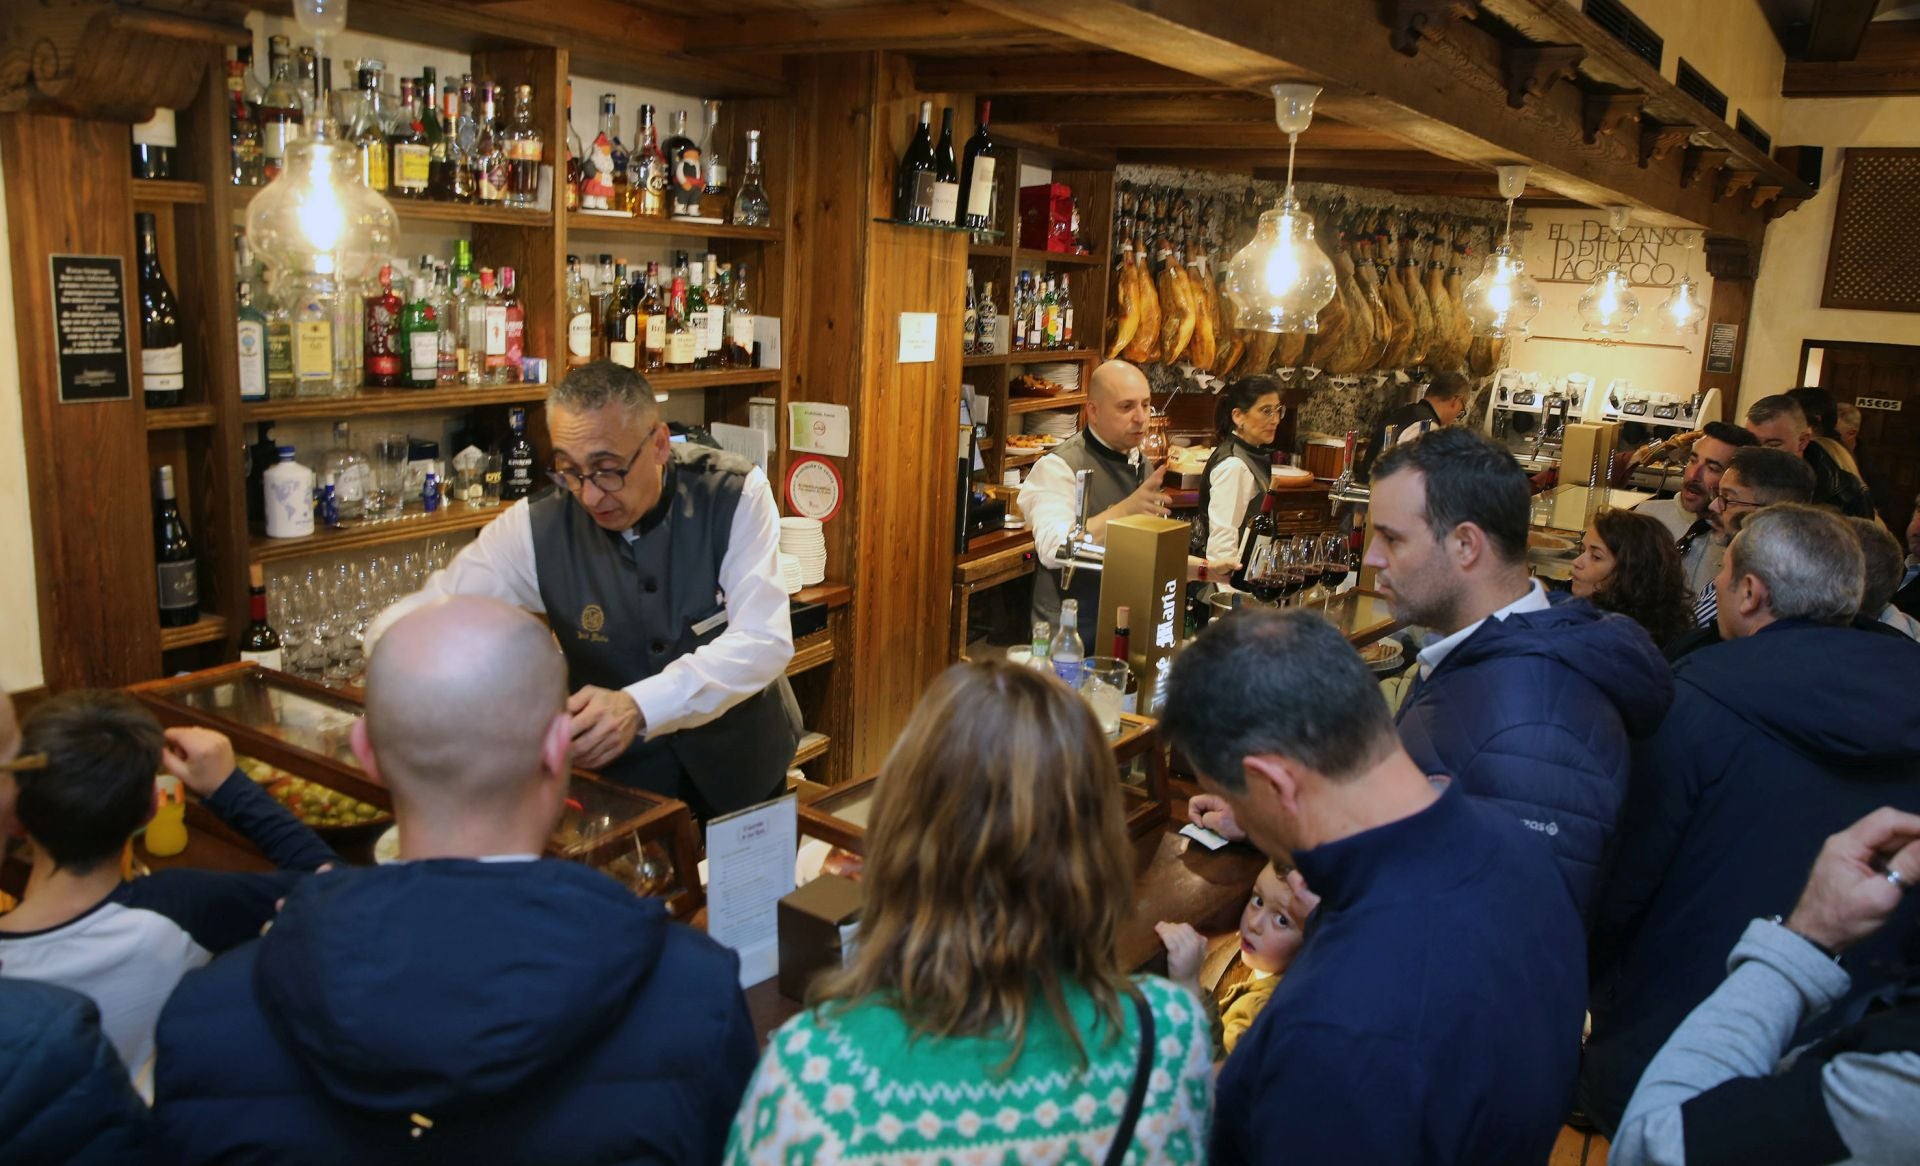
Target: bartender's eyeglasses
point(609, 480)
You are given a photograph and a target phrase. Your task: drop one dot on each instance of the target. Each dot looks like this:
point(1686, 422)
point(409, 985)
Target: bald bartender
point(1120, 486)
point(654, 563)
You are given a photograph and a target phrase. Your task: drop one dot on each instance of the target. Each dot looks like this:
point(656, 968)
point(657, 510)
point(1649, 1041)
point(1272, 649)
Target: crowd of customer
point(1557, 823)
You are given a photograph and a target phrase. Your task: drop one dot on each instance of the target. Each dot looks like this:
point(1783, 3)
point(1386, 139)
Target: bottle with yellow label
point(167, 832)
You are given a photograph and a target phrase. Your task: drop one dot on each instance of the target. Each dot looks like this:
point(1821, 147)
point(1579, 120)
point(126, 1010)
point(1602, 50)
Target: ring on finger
point(1897, 879)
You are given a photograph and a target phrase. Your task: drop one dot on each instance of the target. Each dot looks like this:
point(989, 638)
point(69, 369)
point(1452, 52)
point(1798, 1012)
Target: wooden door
point(1883, 381)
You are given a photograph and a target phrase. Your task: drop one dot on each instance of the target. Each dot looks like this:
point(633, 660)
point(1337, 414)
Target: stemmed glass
point(1263, 574)
point(1337, 561)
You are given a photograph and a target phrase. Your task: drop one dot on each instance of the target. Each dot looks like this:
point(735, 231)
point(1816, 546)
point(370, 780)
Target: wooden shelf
point(672, 228)
point(1025, 459)
point(810, 652)
point(181, 417)
point(353, 538)
point(1027, 356)
point(424, 211)
point(1041, 404)
point(984, 360)
point(813, 746)
point(373, 402)
point(831, 594)
point(207, 630)
point(669, 382)
point(1030, 255)
point(168, 190)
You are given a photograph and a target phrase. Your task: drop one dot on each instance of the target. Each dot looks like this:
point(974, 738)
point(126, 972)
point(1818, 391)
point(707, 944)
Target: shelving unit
point(208, 629)
point(372, 534)
point(376, 402)
point(590, 222)
point(183, 417)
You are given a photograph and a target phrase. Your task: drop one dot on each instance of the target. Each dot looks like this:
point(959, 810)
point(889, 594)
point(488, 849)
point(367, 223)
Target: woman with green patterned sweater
point(984, 1016)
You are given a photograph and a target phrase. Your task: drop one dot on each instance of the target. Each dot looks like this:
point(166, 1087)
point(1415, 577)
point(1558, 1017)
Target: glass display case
point(286, 730)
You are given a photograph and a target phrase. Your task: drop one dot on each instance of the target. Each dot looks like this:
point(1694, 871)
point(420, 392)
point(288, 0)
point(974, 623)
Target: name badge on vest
point(592, 619)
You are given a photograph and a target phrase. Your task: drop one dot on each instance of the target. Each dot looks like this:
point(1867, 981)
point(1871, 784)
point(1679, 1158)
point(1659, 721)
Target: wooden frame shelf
point(667, 382)
point(831, 594)
point(353, 538)
point(586, 223)
point(431, 211)
point(810, 652)
point(1033, 255)
point(208, 629)
point(374, 402)
point(182, 417)
point(1041, 404)
point(813, 746)
point(171, 190)
point(1026, 356)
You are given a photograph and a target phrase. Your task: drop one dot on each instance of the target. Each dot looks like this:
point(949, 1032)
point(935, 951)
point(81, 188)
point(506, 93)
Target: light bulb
point(1503, 299)
point(318, 217)
point(1281, 279)
point(1684, 309)
point(1609, 304)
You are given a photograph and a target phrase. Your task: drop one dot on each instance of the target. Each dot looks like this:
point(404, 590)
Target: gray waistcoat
point(1261, 463)
point(1110, 483)
point(622, 612)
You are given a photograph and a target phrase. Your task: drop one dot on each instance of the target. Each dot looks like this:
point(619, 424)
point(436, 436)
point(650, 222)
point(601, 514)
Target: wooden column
point(69, 191)
point(1732, 264)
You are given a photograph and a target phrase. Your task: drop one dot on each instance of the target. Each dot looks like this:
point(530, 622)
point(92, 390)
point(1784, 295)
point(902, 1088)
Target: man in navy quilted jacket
point(1529, 702)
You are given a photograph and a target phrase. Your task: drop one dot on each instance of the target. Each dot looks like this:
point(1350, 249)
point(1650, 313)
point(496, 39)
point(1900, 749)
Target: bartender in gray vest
point(655, 565)
point(1120, 486)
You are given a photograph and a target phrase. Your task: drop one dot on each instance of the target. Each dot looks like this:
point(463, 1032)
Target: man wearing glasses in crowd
point(1755, 476)
point(655, 564)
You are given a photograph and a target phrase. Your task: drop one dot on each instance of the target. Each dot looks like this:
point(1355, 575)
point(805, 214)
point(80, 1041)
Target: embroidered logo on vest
point(592, 619)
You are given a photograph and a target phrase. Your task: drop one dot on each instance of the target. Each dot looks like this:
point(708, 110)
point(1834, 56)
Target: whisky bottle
point(490, 180)
point(282, 112)
point(647, 171)
point(740, 322)
point(686, 175)
point(579, 317)
point(524, 151)
point(410, 164)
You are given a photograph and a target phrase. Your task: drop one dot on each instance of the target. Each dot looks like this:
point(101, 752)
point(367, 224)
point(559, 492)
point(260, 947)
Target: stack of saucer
point(802, 538)
point(789, 573)
point(1056, 423)
point(1066, 374)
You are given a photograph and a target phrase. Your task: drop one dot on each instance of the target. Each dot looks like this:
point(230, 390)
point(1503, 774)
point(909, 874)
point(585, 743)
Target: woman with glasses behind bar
point(656, 565)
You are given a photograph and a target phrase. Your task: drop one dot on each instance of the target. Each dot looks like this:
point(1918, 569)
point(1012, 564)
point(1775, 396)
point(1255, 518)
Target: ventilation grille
point(1747, 128)
point(1626, 28)
point(1701, 90)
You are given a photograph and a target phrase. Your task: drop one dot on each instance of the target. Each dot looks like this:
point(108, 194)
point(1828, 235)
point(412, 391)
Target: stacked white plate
point(790, 574)
point(1060, 423)
point(803, 539)
point(1065, 374)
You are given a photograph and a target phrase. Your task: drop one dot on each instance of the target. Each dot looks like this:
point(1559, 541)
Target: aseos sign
point(1650, 256)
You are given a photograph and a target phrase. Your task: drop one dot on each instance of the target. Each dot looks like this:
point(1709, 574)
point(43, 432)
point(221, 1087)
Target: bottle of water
point(1066, 649)
point(1042, 636)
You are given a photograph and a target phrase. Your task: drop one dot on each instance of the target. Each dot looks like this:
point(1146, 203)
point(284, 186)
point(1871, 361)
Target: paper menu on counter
point(750, 861)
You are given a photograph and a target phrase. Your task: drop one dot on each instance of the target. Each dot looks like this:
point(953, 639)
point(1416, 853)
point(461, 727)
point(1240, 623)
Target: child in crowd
point(79, 925)
point(1270, 936)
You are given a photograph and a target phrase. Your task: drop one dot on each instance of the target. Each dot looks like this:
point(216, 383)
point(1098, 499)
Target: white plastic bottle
point(289, 490)
point(1067, 651)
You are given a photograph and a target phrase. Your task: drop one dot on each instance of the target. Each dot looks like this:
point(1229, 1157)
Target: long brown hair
point(997, 863)
point(1648, 583)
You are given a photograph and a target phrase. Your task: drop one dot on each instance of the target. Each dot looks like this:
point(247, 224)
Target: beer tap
point(1079, 549)
point(1343, 488)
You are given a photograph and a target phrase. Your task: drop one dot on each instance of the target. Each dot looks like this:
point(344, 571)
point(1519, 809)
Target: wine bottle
point(259, 643)
point(946, 176)
point(913, 191)
point(179, 577)
point(163, 372)
point(1122, 632)
point(977, 163)
point(261, 456)
point(579, 316)
point(153, 144)
point(1260, 532)
point(518, 458)
point(740, 321)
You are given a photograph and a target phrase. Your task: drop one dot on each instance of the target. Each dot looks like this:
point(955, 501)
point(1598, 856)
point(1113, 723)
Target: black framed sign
point(90, 327)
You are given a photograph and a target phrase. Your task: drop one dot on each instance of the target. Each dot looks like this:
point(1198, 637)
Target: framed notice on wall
point(1873, 260)
point(90, 327)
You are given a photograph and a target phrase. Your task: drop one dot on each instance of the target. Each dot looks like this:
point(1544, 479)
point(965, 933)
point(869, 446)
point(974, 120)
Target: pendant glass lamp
point(1684, 308)
point(1609, 305)
point(317, 217)
point(1503, 299)
point(1281, 280)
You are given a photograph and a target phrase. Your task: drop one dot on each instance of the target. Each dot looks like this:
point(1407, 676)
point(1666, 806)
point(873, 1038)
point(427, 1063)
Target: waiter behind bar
point(1119, 487)
point(655, 566)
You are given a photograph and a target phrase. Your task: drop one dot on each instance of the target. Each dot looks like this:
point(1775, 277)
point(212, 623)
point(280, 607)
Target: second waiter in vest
point(655, 565)
point(1120, 486)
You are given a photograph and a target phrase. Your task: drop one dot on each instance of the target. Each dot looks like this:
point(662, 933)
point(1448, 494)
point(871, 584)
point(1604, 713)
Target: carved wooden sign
point(1650, 256)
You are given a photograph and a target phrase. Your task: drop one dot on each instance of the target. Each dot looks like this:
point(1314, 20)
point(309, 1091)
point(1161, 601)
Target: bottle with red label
point(516, 327)
point(382, 348)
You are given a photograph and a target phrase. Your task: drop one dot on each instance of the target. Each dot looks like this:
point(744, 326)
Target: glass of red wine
point(1264, 573)
point(1334, 565)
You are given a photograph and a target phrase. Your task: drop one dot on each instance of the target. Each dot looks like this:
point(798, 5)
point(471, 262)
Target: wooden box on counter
point(303, 729)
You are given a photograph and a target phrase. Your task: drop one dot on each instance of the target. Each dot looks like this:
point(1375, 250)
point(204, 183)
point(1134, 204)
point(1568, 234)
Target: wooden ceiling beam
point(1223, 107)
point(897, 27)
point(1837, 28)
point(1077, 73)
point(1355, 161)
point(1323, 136)
point(1888, 65)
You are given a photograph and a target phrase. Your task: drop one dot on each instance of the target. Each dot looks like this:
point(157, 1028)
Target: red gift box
point(1046, 217)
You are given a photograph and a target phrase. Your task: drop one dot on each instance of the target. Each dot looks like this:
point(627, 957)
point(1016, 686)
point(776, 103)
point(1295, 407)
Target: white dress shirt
point(1046, 500)
point(1702, 561)
point(1231, 486)
point(692, 690)
point(1430, 656)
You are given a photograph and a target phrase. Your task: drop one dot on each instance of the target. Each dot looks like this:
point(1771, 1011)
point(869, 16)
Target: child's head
point(102, 751)
point(1270, 926)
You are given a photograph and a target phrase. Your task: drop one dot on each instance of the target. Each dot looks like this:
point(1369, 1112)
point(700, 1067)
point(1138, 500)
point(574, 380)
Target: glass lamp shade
point(1503, 299)
point(1684, 308)
point(1281, 280)
point(1609, 305)
point(318, 218)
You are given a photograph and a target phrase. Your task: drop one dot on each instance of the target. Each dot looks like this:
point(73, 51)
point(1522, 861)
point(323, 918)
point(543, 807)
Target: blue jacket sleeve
point(288, 843)
point(737, 1054)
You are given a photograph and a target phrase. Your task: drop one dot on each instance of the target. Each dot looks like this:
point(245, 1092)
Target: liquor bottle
point(410, 165)
point(686, 174)
point(970, 323)
point(280, 379)
point(716, 313)
point(647, 181)
point(367, 131)
point(516, 324)
point(383, 359)
point(622, 324)
point(306, 80)
point(978, 161)
point(246, 164)
point(1042, 637)
point(440, 150)
point(1068, 653)
point(1122, 632)
point(946, 176)
point(985, 334)
point(696, 313)
point(1260, 532)
point(259, 643)
point(420, 337)
point(1036, 314)
point(251, 87)
point(653, 308)
point(913, 188)
point(446, 313)
point(600, 283)
point(163, 371)
point(251, 334)
point(576, 154)
point(579, 317)
point(750, 206)
point(518, 457)
point(289, 490)
point(312, 303)
point(1066, 313)
point(351, 473)
point(261, 456)
point(282, 111)
point(524, 150)
point(681, 347)
point(489, 159)
point(179, 576)
point(1020, 311)
point(153, 144)
point(467, 330)
point(1049, 317)
point(491, 352)
point(716, 184)
point(466, 135)
point(622, 198)
point(740, 322)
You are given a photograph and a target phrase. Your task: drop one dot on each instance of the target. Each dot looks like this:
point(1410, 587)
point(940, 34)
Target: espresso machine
point(1649, 418)
point(1529, 414)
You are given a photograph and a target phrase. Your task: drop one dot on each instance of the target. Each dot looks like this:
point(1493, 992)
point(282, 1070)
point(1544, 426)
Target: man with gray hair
point(472, 1002)
point(1779, 736)
point(1780, 423)
point(655, 564)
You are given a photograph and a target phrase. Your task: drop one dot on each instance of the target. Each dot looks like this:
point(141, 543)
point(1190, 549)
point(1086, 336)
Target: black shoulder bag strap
point(1137, 1096)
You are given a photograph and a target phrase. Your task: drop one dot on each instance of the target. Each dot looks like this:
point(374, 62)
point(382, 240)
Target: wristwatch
point(1815, 944)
